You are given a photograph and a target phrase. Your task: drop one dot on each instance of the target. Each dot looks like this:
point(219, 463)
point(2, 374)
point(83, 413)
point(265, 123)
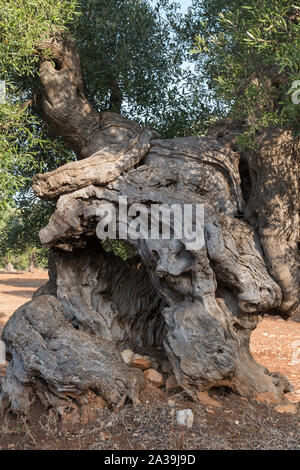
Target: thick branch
point(102, 167)
point(66, 108)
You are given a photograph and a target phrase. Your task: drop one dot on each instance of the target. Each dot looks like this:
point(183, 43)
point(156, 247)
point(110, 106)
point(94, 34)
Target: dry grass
point(238, 424)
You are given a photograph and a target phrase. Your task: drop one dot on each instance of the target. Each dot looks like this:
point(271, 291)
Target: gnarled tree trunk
point(195, 308)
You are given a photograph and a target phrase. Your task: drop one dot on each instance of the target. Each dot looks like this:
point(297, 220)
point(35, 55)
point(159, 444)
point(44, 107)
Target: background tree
point(248, 55)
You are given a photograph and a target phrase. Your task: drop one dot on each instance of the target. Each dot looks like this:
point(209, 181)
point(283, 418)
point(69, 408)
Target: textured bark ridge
point(194, 308)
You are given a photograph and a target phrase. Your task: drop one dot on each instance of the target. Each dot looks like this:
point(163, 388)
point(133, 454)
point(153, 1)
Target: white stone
point(185, 417)
point(2, 353)
point(127, 356)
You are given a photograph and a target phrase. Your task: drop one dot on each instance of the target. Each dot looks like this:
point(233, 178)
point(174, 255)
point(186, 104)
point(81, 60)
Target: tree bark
point(195, 308)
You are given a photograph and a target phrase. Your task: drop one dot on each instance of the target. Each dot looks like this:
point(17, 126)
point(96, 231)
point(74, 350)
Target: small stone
point(154, 377)
point(172, 384)
point(141, 362)
point(166, 367)
point(287, 408)
point(171, 403)
point(185, 417)
point(2, 353)
point(127, 356)
point(152, 394)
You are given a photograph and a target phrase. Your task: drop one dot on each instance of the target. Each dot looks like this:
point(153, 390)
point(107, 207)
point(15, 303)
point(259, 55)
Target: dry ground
point(16, 289)
point(237, 424)
point(276, 344)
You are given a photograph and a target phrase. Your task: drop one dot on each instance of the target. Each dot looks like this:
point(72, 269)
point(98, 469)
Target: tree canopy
point(249, 57)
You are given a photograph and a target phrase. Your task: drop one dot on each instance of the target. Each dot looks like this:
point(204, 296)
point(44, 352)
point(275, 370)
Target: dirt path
point(16, 289)
point(275, 343)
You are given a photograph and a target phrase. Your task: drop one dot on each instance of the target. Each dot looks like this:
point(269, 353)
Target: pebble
point(287, 408)
point(127, 356)
point(141, 362)
point(166, 367)
point(154, 377)
point(185, 417)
